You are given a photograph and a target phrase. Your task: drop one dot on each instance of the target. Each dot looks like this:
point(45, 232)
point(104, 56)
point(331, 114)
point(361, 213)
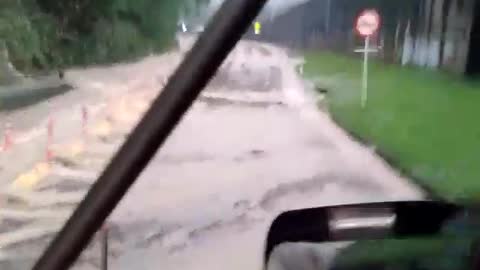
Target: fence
point(429, 33)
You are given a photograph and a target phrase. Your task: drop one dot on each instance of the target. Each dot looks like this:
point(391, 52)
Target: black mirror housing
point(359, 222)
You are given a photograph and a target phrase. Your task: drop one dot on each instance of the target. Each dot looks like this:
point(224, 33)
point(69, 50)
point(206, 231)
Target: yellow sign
point(258, 28)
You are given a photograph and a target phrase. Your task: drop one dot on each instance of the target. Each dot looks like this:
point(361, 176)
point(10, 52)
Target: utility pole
point(327, 17)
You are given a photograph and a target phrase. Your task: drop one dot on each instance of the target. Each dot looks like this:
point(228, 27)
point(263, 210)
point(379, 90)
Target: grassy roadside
point(424, 121)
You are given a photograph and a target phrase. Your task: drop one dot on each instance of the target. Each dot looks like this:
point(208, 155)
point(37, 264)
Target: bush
point(50, 34)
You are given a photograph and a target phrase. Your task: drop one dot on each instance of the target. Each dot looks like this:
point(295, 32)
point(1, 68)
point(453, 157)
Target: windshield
point(322, 102)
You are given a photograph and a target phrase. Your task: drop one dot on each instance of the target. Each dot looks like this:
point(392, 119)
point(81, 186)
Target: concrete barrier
point(20, 96)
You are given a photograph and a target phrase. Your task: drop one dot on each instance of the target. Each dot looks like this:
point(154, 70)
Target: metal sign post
point(104, 244)
point(365, 73)
point(327, 17)
point(366, 51)
point(367, 24)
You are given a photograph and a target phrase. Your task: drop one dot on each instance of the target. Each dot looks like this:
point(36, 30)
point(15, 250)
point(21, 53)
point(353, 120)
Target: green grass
point(436, 253)
point(426, 122)
point(450, 248)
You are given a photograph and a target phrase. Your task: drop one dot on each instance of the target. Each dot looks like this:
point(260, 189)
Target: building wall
point(458, 35)
point(442, 41)
point(435, 35)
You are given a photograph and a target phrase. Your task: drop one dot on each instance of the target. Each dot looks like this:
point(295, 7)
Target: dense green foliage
point(46, 34)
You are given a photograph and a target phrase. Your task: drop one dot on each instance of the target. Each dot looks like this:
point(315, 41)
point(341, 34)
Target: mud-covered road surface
point(253, 145)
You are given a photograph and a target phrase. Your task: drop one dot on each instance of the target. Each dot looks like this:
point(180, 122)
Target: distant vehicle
point(186, 28)
point(198, 29)
point(182, 27)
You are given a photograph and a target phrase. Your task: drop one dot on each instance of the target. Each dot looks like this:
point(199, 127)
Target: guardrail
point(30, 92)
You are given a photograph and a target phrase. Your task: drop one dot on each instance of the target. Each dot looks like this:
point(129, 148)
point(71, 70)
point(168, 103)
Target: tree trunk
point(8, 73)
point(396, 45)
point(429, 18)
point(445, 12)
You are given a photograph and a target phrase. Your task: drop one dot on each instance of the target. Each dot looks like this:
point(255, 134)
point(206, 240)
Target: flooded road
point(253, 145)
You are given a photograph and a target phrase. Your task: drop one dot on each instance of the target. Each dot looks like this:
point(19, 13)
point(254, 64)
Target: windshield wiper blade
point(199, 66)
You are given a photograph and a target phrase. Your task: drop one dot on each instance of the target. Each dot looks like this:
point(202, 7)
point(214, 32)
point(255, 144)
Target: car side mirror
point(300, 233)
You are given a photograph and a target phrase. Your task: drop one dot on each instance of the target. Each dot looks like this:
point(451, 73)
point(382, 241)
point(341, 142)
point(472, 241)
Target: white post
point(365, 72)
point(184, 27)
point(327, 17)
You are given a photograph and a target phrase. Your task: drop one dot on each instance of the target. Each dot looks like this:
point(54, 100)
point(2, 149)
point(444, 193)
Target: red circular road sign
point(367, 22)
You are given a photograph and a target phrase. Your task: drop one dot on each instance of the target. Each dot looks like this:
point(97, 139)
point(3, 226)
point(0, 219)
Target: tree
point(47, 34)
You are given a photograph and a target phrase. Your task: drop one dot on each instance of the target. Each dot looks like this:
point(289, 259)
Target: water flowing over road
point(253, 145)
